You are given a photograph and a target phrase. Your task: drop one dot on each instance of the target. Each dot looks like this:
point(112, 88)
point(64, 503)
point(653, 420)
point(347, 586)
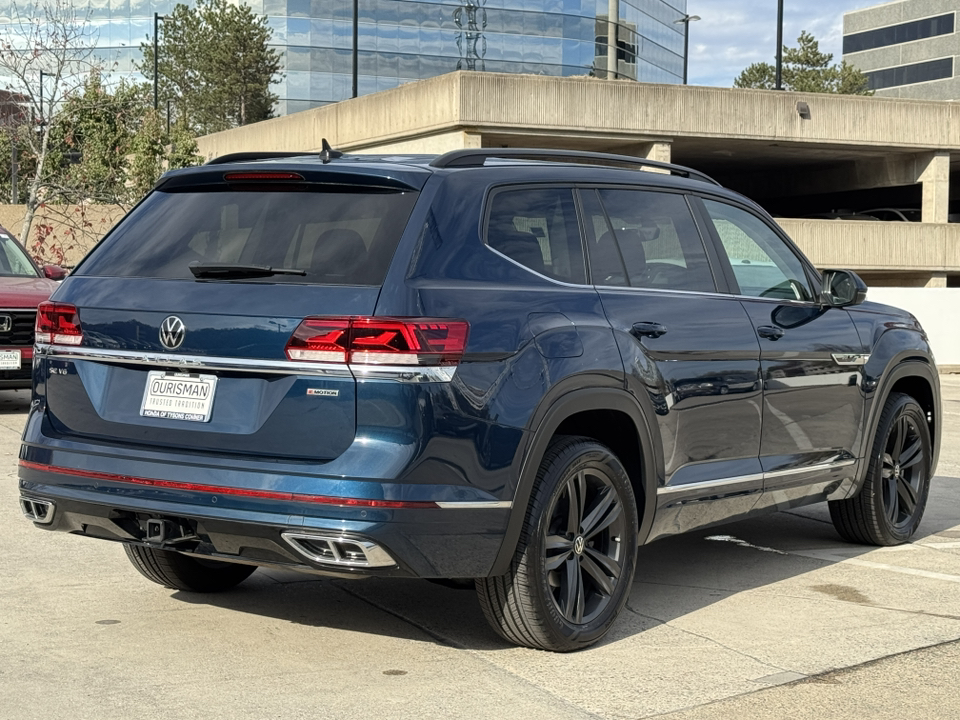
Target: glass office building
point(405, 40)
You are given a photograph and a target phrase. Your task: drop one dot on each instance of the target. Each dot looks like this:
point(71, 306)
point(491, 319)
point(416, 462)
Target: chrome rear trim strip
point(476, 505)
point(396, 373)
point(723, 482)
point(404, 373)
point(194, 362)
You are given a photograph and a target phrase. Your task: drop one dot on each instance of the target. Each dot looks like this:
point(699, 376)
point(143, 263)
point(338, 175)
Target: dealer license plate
point(10, 360)
point(178, 396)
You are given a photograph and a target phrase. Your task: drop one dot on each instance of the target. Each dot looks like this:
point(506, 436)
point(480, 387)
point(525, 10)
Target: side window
point(762, 262)
point(537, 227)
point(606, 262)
point(657, 240)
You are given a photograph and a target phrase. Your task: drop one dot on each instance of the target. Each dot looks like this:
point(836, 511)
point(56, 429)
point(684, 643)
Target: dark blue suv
point(508, 366)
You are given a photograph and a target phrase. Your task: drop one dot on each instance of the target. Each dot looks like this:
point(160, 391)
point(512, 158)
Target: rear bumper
point(420, 539)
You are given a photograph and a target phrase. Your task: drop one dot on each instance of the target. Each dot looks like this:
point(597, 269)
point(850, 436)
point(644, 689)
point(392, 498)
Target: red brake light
point(233, 176)
point(58, 323)
point(379, 341)
point(320, 340)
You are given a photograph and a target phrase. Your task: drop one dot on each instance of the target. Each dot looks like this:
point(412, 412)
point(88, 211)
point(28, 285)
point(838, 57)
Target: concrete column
point(613, 19)
point(936, 189)
point(659, 151)
point(936, 280)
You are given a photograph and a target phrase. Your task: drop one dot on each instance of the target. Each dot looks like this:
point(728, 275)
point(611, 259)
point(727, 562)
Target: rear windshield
point(338, 238)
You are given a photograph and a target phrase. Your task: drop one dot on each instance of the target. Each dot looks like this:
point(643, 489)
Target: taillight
point(379, 341)
point(58, 323)
point(320, 340)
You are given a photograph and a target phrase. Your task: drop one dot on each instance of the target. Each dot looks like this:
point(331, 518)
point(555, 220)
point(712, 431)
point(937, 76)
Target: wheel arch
point(915, 375)
point(595, 412)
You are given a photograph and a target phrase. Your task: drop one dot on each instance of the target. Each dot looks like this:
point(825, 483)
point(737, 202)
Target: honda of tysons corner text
point(507, 366)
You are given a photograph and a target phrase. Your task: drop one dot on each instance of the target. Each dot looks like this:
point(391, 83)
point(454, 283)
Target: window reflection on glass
point(413, 39)
point(762, 262)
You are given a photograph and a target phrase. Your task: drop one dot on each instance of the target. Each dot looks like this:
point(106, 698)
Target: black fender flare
point(906, 363)
point(545, 423)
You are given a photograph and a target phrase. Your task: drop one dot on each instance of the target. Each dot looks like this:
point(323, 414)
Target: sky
point(732, 34)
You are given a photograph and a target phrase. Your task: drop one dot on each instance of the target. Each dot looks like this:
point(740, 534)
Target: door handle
point(770, 332)
point(648, 329)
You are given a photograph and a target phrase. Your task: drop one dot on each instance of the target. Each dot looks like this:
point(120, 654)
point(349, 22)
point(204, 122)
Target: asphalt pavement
point(768, 618)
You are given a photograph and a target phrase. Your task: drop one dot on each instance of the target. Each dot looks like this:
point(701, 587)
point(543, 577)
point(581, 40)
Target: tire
point(181, 572)
point(530, 605)
point(890, 505)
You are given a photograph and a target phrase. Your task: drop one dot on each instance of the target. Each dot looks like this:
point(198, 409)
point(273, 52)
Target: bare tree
point(45, 56)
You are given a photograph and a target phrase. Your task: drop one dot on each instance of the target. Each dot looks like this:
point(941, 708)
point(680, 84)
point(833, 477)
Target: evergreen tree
point(806, 69)
point(108, 146)
point(215, 64)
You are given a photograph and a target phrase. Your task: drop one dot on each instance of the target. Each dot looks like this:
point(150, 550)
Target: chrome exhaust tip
point(340, 551)
point(38, 511)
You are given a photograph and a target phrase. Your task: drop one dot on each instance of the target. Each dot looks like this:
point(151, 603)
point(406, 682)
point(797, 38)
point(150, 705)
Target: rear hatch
point(187, 308)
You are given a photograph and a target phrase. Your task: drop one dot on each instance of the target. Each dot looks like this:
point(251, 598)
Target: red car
point(23, 286)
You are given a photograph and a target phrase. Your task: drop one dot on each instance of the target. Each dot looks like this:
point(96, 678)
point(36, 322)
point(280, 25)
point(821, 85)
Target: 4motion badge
point(323, 392)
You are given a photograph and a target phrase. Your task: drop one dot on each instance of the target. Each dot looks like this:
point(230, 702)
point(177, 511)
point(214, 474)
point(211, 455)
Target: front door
point(812, 403)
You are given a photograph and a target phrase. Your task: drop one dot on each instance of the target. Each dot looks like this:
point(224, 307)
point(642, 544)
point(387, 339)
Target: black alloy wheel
point(889, 507)
point(904, 471)
point(573, 567)
point(583, 545)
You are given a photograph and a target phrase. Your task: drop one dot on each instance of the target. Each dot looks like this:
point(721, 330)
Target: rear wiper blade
point(228, 271)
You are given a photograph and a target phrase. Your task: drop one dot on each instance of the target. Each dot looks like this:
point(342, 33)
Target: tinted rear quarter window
point(338, 238)
point(538, 228)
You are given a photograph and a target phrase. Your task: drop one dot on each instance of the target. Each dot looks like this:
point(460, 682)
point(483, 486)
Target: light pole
point(356, 49)
point(685, 21)
point(157, 17)
point(779, 44)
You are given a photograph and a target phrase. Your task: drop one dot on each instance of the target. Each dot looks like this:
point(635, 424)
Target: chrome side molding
point(723, 482)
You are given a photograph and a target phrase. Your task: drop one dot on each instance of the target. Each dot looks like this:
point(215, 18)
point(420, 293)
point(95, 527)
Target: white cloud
point(735, 33)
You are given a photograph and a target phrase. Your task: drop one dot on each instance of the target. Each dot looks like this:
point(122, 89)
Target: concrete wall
point(937, 309)
point(67, 231)
point(617, 110)
point(878, 246)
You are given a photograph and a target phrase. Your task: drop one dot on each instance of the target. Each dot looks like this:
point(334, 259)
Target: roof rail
point(247, 156)
point(476, 158)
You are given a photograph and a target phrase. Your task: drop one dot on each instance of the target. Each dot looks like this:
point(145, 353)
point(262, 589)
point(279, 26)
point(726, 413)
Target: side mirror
point(842, 288)
point(54, 272)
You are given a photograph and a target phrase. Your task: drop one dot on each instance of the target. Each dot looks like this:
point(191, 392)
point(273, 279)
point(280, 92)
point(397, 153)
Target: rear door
point(689, 348)
point(812, 402)
point(173, 360)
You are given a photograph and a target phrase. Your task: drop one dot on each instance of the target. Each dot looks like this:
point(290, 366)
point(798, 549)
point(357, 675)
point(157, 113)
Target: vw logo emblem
point(578, 545)
point(172, 332)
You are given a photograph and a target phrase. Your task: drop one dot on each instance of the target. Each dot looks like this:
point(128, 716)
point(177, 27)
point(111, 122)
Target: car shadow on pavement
point(13, 402)
point(676, 576)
